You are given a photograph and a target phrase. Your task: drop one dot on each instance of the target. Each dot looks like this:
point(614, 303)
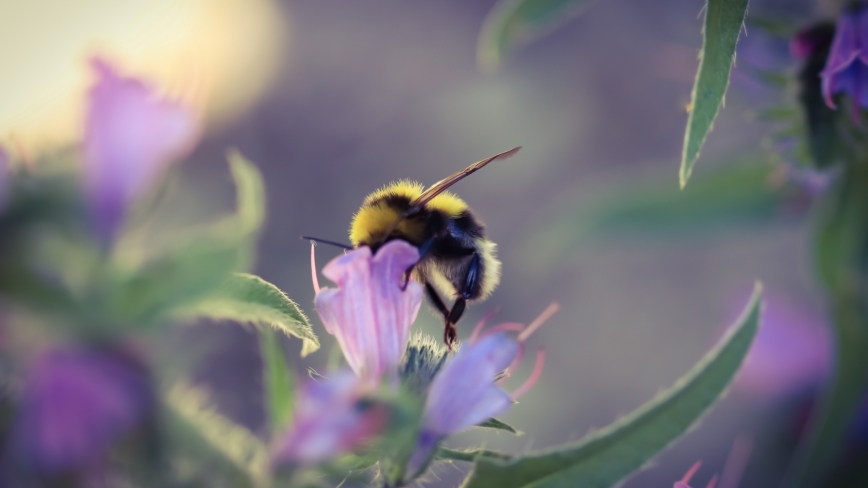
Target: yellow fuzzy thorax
point(375, 218)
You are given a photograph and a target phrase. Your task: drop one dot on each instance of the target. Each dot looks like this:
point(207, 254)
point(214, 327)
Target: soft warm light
point(222, 53)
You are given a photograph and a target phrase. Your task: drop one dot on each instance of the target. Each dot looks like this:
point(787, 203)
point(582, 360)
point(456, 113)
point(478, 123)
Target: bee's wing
point(442, 185)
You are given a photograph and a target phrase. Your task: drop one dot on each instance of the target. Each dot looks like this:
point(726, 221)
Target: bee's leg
point(423, 250)
point(436, 300)
point(471, 281)
point(449, 334)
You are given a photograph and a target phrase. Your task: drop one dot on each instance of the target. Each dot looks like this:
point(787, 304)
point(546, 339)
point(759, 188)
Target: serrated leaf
point(213, 443)
point(250, 299)
point(279, 393)
point(604, 458)
point(183, 276)
point(493, 423)
point(193, 266)
point(723, 23)
point(514, 22)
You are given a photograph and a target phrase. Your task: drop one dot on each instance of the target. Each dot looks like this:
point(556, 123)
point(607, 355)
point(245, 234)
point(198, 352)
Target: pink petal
point(368, 313)
point(130, 137)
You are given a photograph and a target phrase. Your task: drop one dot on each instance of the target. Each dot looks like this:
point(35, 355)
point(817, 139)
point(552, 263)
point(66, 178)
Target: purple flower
point(464, 393)
point(331, 418)
point(369, 313)
point(131, 135)
point(77, 403)
point(846, 69)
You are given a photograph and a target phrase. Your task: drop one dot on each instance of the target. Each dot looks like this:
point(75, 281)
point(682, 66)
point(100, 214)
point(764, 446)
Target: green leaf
point(723, 23)
point(251, 196)
point(514, 22)
point(493, 423)
point(176, 279)
point(604, 458)
point(212, 443)
point(279, 394)
point(469, 455)
point(194, 265)
point(250, 299)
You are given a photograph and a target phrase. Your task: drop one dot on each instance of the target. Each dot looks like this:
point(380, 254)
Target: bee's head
point(383, 216)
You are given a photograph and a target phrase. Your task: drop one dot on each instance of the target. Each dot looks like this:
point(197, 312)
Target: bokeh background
point(334, 99)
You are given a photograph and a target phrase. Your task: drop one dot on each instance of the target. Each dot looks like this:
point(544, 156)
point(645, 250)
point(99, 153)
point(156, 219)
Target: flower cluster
point(81, 397)
point(370, 313)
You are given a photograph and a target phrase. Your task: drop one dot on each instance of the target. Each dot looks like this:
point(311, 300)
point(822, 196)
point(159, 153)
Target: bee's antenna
point(330, 243)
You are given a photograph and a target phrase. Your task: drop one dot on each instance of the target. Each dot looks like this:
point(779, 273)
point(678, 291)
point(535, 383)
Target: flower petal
point(464, 393)
point(845, 46)
point(331, 418)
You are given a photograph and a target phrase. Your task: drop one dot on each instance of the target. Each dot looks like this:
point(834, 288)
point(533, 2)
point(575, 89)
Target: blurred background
point(335, 99)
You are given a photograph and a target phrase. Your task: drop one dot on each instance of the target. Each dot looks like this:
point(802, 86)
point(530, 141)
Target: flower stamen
point(539, 321)
point(481, 324)
point(690, 472)
point(504, 327)
point(534, 375)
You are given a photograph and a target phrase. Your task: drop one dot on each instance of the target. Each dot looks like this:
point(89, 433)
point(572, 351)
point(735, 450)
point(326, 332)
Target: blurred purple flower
point(131, 136)
point(815, 182)
point(847, 67)
point(792, 352)
point(369, 313)
point(331, 418)
point(76, 404)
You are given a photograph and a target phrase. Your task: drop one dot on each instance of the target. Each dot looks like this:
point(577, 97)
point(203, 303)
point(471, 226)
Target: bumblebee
point(455, 258)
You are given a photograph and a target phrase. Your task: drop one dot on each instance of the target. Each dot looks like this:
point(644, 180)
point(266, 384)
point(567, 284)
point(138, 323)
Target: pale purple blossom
point(77, 403)
point(131, 136)
point(847, 66)
point(464, 393)
point(331, 417)
point(369, 313)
